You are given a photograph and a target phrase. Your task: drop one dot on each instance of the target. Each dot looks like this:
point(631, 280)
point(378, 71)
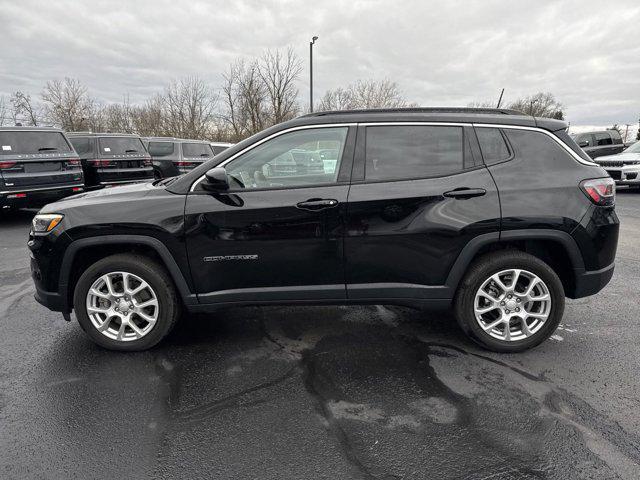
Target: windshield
point(635, 148)
point(121, 146)
point(27, 143)
point(197, 150)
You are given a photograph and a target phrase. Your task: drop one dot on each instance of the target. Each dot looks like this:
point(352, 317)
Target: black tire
point(488, 265)
point(148, 270)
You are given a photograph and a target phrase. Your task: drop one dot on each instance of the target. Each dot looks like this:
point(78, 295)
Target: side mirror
point(583, 144)
point(216, 180)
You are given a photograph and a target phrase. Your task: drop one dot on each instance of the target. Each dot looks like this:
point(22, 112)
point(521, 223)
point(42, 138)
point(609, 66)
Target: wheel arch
point(86, 251)
point(555, 247)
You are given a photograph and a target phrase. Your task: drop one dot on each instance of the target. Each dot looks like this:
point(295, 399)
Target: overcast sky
point(587, 53)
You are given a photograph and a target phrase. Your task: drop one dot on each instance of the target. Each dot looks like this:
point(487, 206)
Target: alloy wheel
point(512, 305)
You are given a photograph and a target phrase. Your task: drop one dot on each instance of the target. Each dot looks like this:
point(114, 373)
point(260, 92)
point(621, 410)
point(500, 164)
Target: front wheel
point(126, 302)
point(509, 301)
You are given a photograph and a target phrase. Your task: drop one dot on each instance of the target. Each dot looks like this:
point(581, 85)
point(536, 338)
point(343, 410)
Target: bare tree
point(148, 119)
point(245, 97)
point(542, 104)
point(67, 104)
point(24, 111)
point(189, 108)
point(364, 94)
point(3, 111)
point(279, 73)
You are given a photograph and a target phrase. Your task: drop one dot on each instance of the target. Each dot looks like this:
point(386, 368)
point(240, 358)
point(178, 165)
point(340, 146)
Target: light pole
point(313, 40)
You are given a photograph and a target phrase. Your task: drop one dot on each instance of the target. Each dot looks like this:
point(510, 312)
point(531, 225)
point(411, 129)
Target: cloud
point(441, 53)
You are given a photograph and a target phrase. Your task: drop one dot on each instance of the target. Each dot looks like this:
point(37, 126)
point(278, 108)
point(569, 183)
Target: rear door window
point(160, 149)
point(218, 149)
point(584, 140)
point(407, 151)
point(29, 143)
point(121, 146)
point(193, 150)
point(494, 148)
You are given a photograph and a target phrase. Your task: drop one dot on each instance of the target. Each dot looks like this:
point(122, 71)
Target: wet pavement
point(321, 392)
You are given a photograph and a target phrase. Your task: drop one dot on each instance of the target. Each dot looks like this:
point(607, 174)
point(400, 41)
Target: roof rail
point(71, 133)
point(470, 110)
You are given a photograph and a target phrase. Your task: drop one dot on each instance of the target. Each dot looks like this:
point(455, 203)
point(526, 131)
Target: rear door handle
point(315, 204)
point(463, 193)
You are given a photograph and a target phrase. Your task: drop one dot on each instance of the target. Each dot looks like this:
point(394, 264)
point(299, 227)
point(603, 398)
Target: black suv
point(112, 158)
point(37, 166)
point(600, 143)
point(175, 156)
point(496, 214)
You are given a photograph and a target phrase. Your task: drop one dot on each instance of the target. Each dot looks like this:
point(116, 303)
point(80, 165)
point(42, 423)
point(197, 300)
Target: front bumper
point(625, 175)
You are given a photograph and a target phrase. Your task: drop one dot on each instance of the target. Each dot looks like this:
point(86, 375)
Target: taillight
point(102, 163)
point(73, 162)
point(4, 165)
point(146, 162)
point(601, 191)
point(184, 164)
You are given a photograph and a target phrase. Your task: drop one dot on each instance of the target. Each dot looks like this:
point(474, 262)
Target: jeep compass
point(494, 214)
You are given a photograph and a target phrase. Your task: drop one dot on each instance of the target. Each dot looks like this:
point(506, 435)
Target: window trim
point(272, 136)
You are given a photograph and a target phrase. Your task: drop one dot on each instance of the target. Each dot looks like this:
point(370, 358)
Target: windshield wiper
point(131, 151)
point(47, 149)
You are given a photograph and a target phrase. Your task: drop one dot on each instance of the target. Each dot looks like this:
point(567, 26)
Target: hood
point(621, 157)
point(107, 196)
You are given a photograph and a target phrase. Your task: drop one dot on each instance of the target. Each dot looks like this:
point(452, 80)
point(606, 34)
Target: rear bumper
point(37, 197)
point(591, 282)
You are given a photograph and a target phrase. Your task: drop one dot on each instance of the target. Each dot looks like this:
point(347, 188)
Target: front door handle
point(315, 204)
point(463, 193)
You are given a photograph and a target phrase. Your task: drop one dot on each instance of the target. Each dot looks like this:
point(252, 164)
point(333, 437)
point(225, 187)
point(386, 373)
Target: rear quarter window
point(197, 150)
point(28, 143)
point(534, 146)
point(161, 149)
point(493, 146)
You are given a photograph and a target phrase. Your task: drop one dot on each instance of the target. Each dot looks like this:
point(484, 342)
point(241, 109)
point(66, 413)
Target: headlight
point(45, 222)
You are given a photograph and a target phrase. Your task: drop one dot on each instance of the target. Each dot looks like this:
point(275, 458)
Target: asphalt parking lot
point(328, 392)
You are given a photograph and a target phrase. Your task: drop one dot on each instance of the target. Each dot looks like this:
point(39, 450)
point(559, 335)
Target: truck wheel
point(509, 301)
point(126, 302)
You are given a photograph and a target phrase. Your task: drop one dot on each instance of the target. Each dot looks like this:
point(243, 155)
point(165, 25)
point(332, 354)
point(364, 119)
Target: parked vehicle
point(175, 156)
point(112, 158)
point(37, 166)
point(624, 167)
point(600, 143)
point(497, 215)
point(219, 147)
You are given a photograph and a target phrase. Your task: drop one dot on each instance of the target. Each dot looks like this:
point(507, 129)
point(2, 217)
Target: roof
point(29, 129)
point(426, 114)
point(93, 134)
point(174, 139)
point(471, 110)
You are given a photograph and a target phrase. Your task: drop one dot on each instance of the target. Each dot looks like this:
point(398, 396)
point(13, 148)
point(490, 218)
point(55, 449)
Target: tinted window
point(397, 152)
point(494, 149)
point(197, 150)
point(12, 143)
point(81, 145)
point(534, 146)
point(584, 138)
point(290, 160)
point(160, 149)
point(218, 149)
point(603, 138)
point(120, 146)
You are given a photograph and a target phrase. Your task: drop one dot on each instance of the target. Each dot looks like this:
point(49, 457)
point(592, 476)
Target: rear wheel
point(509, 301)
point(126, 302)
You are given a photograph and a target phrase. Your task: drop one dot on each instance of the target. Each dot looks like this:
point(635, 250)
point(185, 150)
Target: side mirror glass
point(216, 180)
